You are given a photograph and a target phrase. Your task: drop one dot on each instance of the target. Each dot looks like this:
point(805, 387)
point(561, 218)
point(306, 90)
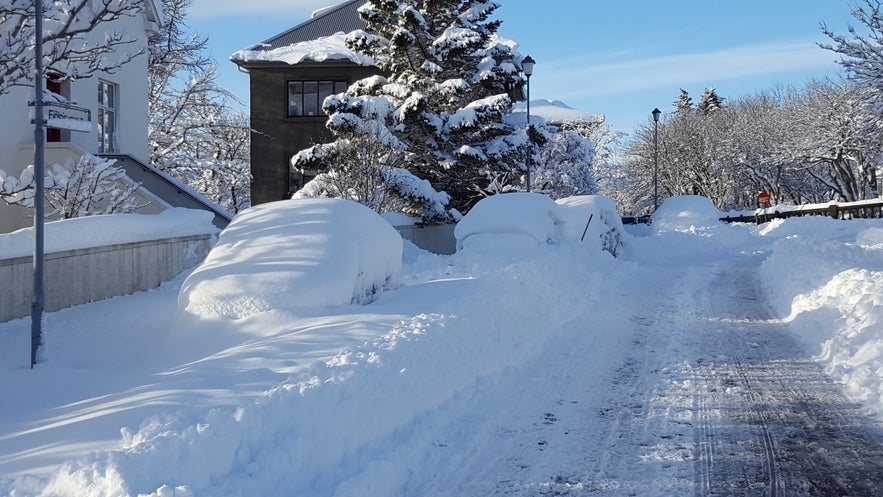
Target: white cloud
point(294, 8)
point(603, 78)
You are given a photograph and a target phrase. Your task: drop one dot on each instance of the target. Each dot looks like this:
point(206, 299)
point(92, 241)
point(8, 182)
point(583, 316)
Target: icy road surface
point(714, 397)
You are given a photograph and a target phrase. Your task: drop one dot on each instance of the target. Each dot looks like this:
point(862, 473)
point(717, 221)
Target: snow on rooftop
point(555, 111)
point(319, 50)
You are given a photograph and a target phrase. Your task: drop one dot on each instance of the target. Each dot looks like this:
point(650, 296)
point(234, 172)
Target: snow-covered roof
point(554, 111)
point(323, 49)
point(343, 18)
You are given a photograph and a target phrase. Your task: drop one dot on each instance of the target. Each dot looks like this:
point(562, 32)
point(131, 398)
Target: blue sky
point(616, 58)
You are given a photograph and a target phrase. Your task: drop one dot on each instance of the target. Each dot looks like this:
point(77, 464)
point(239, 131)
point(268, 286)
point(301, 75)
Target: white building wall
point(17, 132)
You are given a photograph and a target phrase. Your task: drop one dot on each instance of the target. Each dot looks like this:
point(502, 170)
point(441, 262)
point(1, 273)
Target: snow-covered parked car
point(605, 225)
point(295, 254)
point(527, 214)
point(536, 216)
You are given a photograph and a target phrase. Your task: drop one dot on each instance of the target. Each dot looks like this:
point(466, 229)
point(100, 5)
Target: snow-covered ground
point(435, 384)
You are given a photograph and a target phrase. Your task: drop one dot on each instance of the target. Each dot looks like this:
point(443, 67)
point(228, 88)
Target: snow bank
point(825, 277)
point(686, 213)
point(111, 229)
point(295, 254)
point(467, 325)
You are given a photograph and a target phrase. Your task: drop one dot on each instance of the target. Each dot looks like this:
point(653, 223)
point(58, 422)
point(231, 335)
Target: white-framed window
point(305, 97)
point(107, 117)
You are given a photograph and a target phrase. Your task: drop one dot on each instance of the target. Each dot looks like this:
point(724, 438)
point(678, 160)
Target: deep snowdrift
point(342, 384)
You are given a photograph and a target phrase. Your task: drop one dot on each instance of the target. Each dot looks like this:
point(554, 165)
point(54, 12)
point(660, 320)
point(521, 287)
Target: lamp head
point(527, 65)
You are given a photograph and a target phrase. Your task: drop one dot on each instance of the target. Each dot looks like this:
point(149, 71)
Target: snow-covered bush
point(86, 187)
point(295, 254)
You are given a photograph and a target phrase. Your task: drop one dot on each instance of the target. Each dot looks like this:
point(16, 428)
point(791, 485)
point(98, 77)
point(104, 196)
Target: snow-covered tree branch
point(86, 187)
point(194, 134)
point(69, 47)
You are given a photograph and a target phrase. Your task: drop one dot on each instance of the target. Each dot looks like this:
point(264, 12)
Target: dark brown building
point(290, 75)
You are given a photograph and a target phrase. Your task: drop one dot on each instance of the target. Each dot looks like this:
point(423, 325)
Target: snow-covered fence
point(79, 276)
point(862, 209)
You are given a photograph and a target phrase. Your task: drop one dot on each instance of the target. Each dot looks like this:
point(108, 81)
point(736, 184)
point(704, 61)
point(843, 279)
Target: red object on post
point(763, 198)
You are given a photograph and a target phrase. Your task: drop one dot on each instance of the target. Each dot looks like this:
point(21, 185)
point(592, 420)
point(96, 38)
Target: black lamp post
point(656, 113)
point(527, 66)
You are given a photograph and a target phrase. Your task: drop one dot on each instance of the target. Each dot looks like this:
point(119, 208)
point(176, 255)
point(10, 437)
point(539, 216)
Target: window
point(305, 97)
point(107, 117)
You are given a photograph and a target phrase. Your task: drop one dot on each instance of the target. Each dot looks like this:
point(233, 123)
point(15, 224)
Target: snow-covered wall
point(98, 257)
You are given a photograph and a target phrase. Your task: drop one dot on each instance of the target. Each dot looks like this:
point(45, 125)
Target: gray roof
point(342, 18)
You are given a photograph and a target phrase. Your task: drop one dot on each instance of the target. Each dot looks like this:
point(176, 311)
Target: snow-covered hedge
point(296, 254)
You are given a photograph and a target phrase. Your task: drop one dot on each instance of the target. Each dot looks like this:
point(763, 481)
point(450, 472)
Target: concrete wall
point(76, 277)
point(438, 239)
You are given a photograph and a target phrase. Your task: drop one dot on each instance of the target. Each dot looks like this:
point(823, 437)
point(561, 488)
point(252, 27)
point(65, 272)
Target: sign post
point(39, 139)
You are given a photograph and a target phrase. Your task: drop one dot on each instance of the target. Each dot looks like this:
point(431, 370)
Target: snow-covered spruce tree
point(193, 133)
point(68, 48)
point(365, 163)
point(684, 103)
point(90, 186)
point(449, 77)
point(709, 101)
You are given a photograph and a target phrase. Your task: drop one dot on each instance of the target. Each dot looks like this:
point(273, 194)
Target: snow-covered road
point(713, 397)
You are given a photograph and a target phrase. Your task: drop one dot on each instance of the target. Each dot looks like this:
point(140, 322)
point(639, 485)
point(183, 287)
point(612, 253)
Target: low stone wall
point(76, 277)
point(436, 238)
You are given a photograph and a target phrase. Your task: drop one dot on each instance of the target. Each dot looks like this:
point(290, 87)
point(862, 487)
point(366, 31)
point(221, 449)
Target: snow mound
point(834, 307)
point(295, 254)
point(688, 213)
point(532, 215)
point(606, 223)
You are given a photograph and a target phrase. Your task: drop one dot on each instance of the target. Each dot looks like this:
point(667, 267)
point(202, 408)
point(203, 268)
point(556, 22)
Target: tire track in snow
point(783, 427)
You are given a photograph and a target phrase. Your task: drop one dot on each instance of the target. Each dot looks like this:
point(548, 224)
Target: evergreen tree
point(684, 102)
point(449, 77)
point(709, 102)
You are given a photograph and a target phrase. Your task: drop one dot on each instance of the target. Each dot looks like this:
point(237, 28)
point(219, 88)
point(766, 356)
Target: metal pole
point(39, 138)
point(655, 164)
point(530, 148)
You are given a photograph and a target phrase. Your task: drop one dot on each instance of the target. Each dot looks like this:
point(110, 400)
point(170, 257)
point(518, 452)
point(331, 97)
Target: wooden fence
point(862, 209)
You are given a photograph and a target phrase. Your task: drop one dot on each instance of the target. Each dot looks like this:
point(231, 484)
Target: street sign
point(763, 198)
point(65, 116)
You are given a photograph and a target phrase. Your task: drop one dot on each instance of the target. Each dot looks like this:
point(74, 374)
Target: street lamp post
point(656, 113)
point(527, 66)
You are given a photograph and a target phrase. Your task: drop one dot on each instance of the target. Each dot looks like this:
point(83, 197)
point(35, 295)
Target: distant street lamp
point(527, 66)
point(655, 113)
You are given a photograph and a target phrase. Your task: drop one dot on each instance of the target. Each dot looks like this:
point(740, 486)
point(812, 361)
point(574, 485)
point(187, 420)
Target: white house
point(117, 104)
